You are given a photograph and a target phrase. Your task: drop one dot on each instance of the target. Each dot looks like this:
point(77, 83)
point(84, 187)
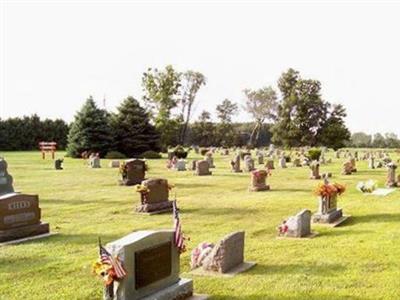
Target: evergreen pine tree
point(90, 131)
point(132, 131)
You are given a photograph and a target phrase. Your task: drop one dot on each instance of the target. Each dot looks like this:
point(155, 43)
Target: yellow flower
point(141, 188)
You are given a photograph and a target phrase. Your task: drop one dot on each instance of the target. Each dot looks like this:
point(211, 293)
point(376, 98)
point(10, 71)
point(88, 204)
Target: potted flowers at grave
point(110, 269)
point(327, 197)
point(367, 187)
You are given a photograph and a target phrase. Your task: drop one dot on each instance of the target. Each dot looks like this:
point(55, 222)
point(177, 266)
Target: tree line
point(378, 140)
point(295, 115)
point(25, 133)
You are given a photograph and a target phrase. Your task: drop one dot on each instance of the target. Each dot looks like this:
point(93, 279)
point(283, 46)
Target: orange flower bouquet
point(329, 189)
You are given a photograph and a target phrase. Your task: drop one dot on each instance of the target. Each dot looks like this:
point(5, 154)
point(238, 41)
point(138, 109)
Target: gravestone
point(299, 226)
point(314, 167)
point(353, 165)
point(58, 164)
point(282, 162)
point(152, 264)
point(296, 162)
point(226, 257)
point(235, 164)
point(260, 158)
point(202, 168)
point(270, 164)
point(154, 196)
point(258, 181)
point(193, 165)
point(371, 162)
point(391, 176)
point(248, 164)
point(180, 165)
point(328, 213)
point(6, 179)
point(209, 158)
point(114, 164)
point(20, 217)
point(94, 162)
point(133, 171)
point(347, 168)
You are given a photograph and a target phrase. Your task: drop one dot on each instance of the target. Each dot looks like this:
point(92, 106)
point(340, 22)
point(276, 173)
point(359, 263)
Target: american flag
point(179, 239)
point(107, 258)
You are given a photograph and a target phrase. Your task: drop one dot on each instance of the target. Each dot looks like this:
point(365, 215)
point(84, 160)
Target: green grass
point(359, 260)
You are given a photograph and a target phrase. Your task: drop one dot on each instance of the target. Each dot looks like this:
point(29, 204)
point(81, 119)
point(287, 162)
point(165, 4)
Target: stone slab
point(308, 237)
point(175, 291)
point(231, 273)
point(24, 232)
point(156, 212)
point(27, 239)
point(335, 223)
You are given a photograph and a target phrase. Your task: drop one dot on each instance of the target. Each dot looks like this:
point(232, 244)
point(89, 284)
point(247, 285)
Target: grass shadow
point(374, 218)
point(309, 269)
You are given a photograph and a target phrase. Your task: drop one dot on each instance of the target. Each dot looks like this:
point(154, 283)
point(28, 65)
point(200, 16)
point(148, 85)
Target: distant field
point(359, 260)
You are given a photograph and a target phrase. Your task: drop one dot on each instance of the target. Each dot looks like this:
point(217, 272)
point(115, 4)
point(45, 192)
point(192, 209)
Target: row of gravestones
point(152, 263)
point(20, 214)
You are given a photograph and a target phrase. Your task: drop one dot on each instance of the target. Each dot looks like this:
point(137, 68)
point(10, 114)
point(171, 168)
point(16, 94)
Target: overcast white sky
point(54, 54)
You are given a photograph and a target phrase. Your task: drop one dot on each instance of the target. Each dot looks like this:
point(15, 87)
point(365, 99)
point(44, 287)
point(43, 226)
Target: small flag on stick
point(179, 239)
point(107, 258)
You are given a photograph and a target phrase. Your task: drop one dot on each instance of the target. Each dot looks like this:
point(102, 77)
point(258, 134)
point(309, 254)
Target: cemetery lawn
point(358, 260)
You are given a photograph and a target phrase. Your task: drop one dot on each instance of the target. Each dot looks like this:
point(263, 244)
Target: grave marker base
point(308, 237)
point(24, 232)
point(181, 290)
point(259, 189)
point(156, 212)
point(28, 239)
point(335, 223)
point(231, 273)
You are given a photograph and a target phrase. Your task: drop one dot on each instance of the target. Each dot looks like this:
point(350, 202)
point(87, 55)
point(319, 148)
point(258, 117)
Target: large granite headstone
point(152, 265)
point(156, 197)
point(133, 171)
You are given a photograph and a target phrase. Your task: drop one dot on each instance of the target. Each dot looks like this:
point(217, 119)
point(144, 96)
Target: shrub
point(115, 155)
point(150, 154)
point(203, 151)
point(314, 153)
